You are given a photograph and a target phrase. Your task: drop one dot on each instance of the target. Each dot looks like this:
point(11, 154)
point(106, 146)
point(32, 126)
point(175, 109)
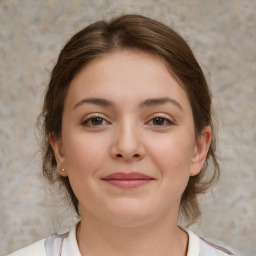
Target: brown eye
point(158, 121)
point(94, 121)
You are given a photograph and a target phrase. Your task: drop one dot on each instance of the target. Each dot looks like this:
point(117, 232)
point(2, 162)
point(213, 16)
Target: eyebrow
point(160, 101)
point(146, 103)
point(96, 101)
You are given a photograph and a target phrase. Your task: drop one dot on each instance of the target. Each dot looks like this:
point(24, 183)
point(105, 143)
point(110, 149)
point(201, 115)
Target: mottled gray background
point(223, 37)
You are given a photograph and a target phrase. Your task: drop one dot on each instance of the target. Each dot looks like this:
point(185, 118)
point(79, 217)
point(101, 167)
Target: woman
point(128, 131)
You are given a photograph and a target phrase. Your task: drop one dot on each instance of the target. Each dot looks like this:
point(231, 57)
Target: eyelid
point(89, 117)
point(166, 117)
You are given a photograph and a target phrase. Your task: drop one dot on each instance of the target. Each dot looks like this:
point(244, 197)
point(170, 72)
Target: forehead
point(123, 62)
point(126, 75)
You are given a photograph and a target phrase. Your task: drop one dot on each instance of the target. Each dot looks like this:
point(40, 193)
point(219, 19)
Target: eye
point(160, 121)
point(94, 121)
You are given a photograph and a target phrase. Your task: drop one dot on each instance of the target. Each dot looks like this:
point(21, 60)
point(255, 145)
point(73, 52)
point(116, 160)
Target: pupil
point(159, 121)
point(97, 121)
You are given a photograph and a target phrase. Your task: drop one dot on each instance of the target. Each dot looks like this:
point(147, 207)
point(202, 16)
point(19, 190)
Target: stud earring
point(63, 170)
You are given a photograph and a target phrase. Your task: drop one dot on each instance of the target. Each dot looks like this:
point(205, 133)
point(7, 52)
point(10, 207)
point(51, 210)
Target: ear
point(57, 147)
point(200, 150)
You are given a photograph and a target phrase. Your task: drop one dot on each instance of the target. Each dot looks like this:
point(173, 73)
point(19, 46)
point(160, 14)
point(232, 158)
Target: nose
point(127, 144)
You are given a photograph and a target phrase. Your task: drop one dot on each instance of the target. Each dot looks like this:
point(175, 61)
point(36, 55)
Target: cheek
point(84, 157)
point(83, 153)
point(175, 172)
point(173, 155)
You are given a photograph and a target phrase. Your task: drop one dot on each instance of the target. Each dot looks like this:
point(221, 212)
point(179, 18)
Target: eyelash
point(167, 121)
point(88, 121)
point(163, 121)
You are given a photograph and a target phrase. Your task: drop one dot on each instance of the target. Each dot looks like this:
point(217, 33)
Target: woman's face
point(128, 143)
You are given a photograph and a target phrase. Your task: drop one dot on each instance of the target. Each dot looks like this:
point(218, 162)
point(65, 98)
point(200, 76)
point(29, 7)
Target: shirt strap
point(53, 244)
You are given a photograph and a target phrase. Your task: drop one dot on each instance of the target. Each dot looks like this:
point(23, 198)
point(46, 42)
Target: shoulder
point(201, 247)
point(210, 249)
point(56, 244)
point(32, 250)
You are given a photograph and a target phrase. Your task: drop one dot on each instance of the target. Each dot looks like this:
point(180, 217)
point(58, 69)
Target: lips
point(127, 180)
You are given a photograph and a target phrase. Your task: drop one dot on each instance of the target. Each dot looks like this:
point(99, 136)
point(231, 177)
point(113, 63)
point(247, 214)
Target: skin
point(126, 132)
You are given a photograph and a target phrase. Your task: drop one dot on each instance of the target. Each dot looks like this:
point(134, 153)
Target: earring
point(63, 170)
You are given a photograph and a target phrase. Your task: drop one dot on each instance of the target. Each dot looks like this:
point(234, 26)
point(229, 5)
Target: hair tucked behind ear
point(131, 31)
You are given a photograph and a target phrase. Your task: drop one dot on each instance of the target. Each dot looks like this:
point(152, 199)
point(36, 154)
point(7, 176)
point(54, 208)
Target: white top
point(66, 245)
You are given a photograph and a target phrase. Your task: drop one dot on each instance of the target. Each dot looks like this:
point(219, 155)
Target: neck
point(160, 238)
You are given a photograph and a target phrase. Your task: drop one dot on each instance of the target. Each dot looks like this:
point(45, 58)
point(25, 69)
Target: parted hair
point(131, 32)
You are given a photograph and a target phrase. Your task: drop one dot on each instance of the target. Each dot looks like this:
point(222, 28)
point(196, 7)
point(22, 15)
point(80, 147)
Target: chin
point(129, 215)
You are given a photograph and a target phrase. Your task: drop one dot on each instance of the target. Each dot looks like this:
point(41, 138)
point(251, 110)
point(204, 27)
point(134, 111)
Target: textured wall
point(222, 34)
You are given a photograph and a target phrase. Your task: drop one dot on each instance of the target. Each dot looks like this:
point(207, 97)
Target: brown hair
point(131, 31)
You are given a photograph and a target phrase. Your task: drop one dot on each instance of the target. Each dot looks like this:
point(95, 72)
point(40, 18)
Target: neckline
point(193, 242)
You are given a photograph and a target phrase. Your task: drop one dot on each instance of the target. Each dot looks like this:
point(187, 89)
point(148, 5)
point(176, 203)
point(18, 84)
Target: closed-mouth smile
point(127, 180)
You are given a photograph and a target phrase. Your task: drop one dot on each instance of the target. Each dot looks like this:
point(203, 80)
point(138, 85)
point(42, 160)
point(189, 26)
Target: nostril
point(136, 155)
point(119, 155)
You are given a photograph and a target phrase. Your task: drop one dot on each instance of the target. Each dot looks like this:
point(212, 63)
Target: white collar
point(193, 243)
point(73, 249)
